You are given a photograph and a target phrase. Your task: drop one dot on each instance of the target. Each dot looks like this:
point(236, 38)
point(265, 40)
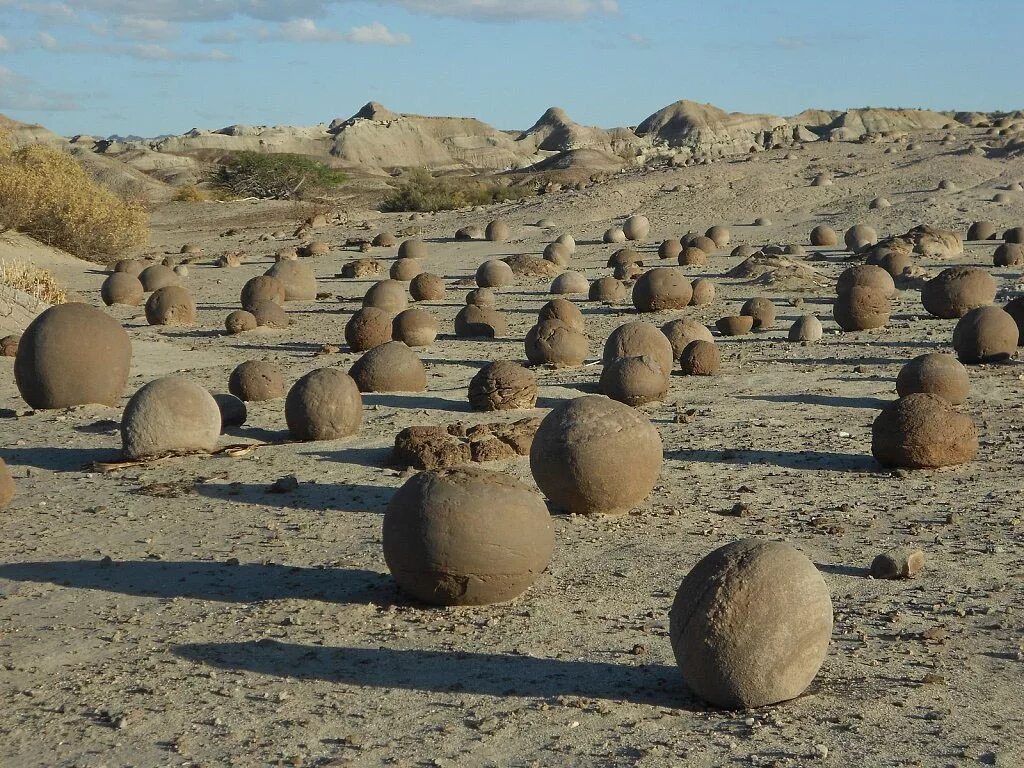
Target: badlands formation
point(711, 454)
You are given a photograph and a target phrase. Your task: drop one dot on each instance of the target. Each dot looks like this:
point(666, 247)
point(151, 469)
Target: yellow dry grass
point(36, 282)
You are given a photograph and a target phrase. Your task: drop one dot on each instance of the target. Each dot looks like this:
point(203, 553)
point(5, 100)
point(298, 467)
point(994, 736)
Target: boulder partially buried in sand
point(553, 342)
point(169, 415)
point(634, 380)
point(923, 431)
point(390, 367)
point(957, 290)
point(935, 373)
point(985, 335)
point(325, 404)
point(503, 385)
point(637, 339)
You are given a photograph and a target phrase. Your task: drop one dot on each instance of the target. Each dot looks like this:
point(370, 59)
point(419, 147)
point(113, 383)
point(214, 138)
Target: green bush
point(424, 193)
point(274, 176)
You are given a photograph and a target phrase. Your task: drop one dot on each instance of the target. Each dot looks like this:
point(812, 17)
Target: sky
point(150, 67)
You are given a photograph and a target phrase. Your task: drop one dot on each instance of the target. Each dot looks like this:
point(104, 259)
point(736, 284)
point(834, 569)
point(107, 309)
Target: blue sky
point(165, 66)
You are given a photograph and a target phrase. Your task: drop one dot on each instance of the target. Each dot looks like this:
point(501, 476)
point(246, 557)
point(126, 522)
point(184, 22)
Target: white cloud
point(307, 31)
point(791, 43)
point(135, 28)
point(22, 94)
point(47, 41)
point(221, 37)
point(376, 34)
point(153, 52)
point(5, 45)
point(501, 10)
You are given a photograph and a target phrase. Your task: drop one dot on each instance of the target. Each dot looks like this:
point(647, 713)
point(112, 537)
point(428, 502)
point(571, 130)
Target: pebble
point(898, 563)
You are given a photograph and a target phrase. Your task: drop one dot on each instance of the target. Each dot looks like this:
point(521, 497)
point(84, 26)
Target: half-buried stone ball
point(957, 290)
point(472, 232)
point(233, 412)
point(923, 431)
point(982, 230)
point(494, 273)
point(670, 249)
point(735, 325)
point(634, 380)
point(387, 295)
point(558, 254)
point(72, 354)
point(637, 339)
point(861, 308)
point(624, 257)
point(719, 234)
point(869, 275)
point(1008, 255)
point(171, 305)
point(895, 262)
point(860, 236)
point(607, 290)
point(369, 327)
point(131, 267)
point(269, 314)
point(412, 249)
point(391, 367)
point(405, 270)
point(692, 256)
point(383, 240)
point(636, 227)
point(480, 322)
point(824, 236)
point(763, 312)
point(169, 415)
point(297, 278)
point(806, 328)
point(482, 297)
point(614, 235)
point(703, 292)
point(503, 385)
point(682, 331)
point(750, 624)
point(157, 276)
point(570, 282)
point(466, 536)
point(122, 288)
point(593, 455)
point(662, 288)
point(256, 380)
point(262, 288)
point(7, 489)
point(414, 327)
point(985, 335)
point(700, 358)
point(935, 373)
point(552, 342)
point(568, 241)
point(705, 244)
point(427, 287)
point(325, 404)
point(497, 231)
point(563, 310)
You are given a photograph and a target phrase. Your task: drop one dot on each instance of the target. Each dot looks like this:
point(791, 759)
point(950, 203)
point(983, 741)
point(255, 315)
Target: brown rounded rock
point(923, 431)
point(9, 345)
point(637, 339)
point(570, 282)
point(472, 232)
point(670, 249)
point(557, 253)
point(131, 267)
point(414, 327)
point(122, 288)
point(806, 328)
point(706, 244)
point(169, 415)
point(7, 489)
point(691, 256)
point(682, 331)
point(607, 290)
point(700, 358)
point(387, 295)
point(315, 248)
point(662, 288)
point(474, 321)
point(719, 234)
point(325, 404)
point(636, 227)
point(634, 380)
point(735, 325)
point(982, 230)
point(896, 263)
point(564, 311)
point(614, 235)
point(240, 321)
point(297, 278)
point(935, 373)
point(1014, 235)
point(1007, 255)
point(763, 312)
point(256, 380)
point(390, 367)
point(866, 274)
point(503, 385)
point(482, 297)
point(383, 240)
point(262, 288)
point(1015, 309)
point(171, 305)
point(624, 257)
point(412, 249)
point(361, 268)
point(985, 335)
point(405, 269)
point(369, 327)
point(269, 314)
point(427, 287)
point(860, 236)
point(957, 290)
point(703, 292)
point(824, 236)
point(157, 276)
point(861, 308)
point(552, 342)
point(494, 273)
point(233, 412)
point(497, 231)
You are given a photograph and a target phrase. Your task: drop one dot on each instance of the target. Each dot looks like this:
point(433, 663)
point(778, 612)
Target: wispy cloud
point(47, 41)
point(22, 94)
point(5, 45)
point(791, 43)
point(153, 52)
point(221, 37)
point(376, 34)
point(307, 31)
point(135, 28)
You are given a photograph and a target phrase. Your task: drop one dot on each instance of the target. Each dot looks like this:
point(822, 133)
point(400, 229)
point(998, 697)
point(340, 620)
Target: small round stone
point(240, 321)
point(936, 373)
point(325, 404)
point(369, 327)
point(390, 367)
point(824, 236)
point(700, 358)
point(256, 380)
point(414, 327)
point(806, 328)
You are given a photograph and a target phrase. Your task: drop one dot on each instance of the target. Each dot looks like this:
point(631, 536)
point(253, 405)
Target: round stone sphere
point(297, 278)
point(482, 297)
point(637, 339)
point(557, 253)
point(879, 203)
point(568, 241)
point(131, 267)
point(703, 292)
point(743, 251)
point(806, 328)
point(262, 288)
point(474, 321)
point(957, 290)
point(503, 385)
point(466, 536)
point(387, 295)
point(923, 431)
point(72, 354)
point(624, 257)
point(719, 234)
point(614, 235)
point(157, 276)
point(171, 305)
point(233, 412)
point(1015, 309)
point(325, 404)
point(763, 312)
point(634, 380)
point(1006, 255)
point(570, 282)
point(861, 308)
point(269, 314)
point(427, 287)
point(692, 256)
point(390, 367)
point(700, 358)
point(735, 325)
point(412, 249)
point(896, 263)
point(982, 230)
point(405, 269)
point(369, 327)
point(670, 249)
point(472, 232)
point(494, 273)
point(122, 288)
point(682, 331)
point(169, 415)
point(636, 227)
point(705, 244)
point(869, 275)
point(1014, 235)
point(256, 380)
point(607, 290)
point(497, 231)
point(985, 335)
point(7, 488)
point(564, 311)
point(750, 624)
point(935, 373)
point(594, 455)
point(662, 288)
point(824, 236)
point(859, 236)
point(383, 240)
point(414, 327)
point(552, 342)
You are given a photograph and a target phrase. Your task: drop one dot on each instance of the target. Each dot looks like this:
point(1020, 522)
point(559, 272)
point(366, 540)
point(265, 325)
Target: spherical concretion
point(383, 240)
point(315, 248)
point(703, 292)
point(7, 488)
point(627, 271)
point(824, 236)
point(122, 288)
point(1014, 308)
point(405, 269)
point(593, 455)
point(896, 263)
point(735, 325)
point(564, 311)
point(762, 310)
point(131, 267)
point(466, 536)
point(607, 290)
point(936, 373)
point(859, 236)
point(482, 297)
point(552, 342)
point(72, 354)
point(286, 254)
point(985, 335)
point(503, 385)
point(706, 244)
point(369, 327)
point(412, 249)
point(634, 380)
point(269, 314)
point(794, 249)
point(614, 235)
point(957, 290)
point(762, 221)
point(878, 203)
point(682, 331)
point(982, 230)
point(497, 231)
point(472, 232)
point(169, 415)
point(806, 328)
point(414, 327)
point(1006, 255)
point(9, 345)
point(637, 339)
point(297, 278)
point(636, 227)
point(750, 624)
point(568, 241)
point(719, 234)
point(570, 282)
point(1014, 235)
point(662, 288)
point(700, 358)
point(157, 276)
point(325, 404)
point(624, 257)
point(861, 308)
point(427, 287)
point(692, 256)
point(171, 305)
point(557, 253)
point(670, 249)
point(923, 431)
point(474, 321)
point(262, 288)
point(233, 412)
point(181, 270)
point(866, 274)
point(256, 380)
point(390, 367)
point(387, 295)
point(494, 273)
point(743, 251)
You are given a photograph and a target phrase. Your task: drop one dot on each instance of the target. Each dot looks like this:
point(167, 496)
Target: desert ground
point(178, 613)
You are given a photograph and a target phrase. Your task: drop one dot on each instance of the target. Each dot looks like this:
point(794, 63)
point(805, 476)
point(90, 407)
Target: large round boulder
point(923, 431)
point(262, 288)
point(503, 385)
point(387, 295)
point(662, 288)
point(494, 273)
point(297, 278)
point(552, 342)
point(414, 327)
point(256, 380)
point(474, 321)
point(369, 327)
point(636, 227)
point(861, 308)
point(936, 373)
point(169, 415)
point(390, 367)
point(684, 330)
point(985, 335)
point(325, 404)
point(634, 380)
point(957, 290)
point(637, 339)
point(171, 305)
point(122, 288)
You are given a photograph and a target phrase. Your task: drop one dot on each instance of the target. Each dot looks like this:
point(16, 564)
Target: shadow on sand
point(823, 460)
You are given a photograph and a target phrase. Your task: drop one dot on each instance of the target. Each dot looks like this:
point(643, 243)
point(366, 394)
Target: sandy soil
point(179, 614)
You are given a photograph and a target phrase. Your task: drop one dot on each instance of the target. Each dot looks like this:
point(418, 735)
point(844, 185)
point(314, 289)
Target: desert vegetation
point(274, 176)
point(425, 193)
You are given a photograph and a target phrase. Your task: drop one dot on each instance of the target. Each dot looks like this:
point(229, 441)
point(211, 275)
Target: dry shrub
point(36, 282)
point(190, 193)
point(426, 193)
point(48, 195)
